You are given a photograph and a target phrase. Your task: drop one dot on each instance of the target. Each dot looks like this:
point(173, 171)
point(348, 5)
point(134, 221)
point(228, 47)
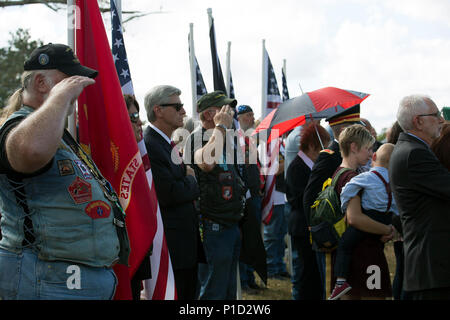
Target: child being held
point(377, 203)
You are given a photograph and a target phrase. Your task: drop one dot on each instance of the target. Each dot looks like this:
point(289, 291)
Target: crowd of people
point(210, 189)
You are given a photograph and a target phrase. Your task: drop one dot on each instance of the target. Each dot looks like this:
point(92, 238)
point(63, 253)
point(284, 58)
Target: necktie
point(180, 159)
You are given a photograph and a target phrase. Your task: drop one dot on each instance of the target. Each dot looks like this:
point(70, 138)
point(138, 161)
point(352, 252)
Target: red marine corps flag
point(105, 132)
point(162, 283)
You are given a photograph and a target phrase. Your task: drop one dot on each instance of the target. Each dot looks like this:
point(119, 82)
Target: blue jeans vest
point(72, 220)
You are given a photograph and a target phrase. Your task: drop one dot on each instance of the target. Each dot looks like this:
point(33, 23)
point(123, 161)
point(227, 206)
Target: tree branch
point(56, 5)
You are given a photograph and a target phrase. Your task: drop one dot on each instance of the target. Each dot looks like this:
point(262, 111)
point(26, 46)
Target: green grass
point(281, 289)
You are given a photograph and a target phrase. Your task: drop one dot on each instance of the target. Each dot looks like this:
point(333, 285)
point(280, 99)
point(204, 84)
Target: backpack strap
point(388, 189)
point(336, 177)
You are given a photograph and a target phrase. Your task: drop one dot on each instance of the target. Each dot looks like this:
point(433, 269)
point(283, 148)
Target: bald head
point(383, 155)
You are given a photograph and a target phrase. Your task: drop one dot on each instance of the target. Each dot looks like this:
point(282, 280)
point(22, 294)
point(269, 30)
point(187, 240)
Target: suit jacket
point(297, 176)
point(324, 167)
point(421, 187)
point(176, 193)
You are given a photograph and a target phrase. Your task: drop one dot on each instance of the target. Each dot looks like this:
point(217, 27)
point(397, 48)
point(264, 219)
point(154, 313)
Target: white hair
point(410, 106)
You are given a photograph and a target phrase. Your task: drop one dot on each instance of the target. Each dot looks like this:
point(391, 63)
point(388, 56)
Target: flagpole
point(300, 87)
point(264, 81)
point(193, 71)
point(228, 72)
point(209, 11)
point(119, 9)
point(71, 119)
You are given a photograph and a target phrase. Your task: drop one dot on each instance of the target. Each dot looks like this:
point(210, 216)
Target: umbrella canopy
point(321, 103)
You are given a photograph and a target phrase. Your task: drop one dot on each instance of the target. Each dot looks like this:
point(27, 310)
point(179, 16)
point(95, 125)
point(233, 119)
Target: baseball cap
point(243, 109)
point(60, 57)
point(214, 99)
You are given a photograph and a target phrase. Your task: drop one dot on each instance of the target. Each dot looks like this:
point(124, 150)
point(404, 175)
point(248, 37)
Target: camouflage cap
point(446, 113)
point(214, 99)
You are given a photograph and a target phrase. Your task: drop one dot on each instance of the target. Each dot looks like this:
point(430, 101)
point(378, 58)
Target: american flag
point(268, 157)
point(284, 84)
point(273, 94)
point(119, 53)
point(201, 88)
point(162, 284)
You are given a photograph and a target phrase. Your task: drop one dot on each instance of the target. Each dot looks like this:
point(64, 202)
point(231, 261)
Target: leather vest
point(222, 191)
point(72, 220)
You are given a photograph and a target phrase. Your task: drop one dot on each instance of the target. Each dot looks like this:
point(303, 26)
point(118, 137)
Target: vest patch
point(225, 176)
point(84, 169)
point(227, 192)
point(98, 210)
point(65, 167)
point(80, 191)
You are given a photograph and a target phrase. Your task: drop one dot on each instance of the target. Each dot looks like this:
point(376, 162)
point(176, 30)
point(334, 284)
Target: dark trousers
point(142, 273)
point(306, 277)
point(397, 284)
point(350, 238)
point(186, 283)
point(430, 294)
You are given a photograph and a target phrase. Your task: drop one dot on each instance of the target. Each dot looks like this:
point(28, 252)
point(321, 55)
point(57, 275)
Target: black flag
point(219, 83)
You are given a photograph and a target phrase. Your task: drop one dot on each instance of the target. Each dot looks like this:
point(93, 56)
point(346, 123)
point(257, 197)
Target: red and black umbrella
point(317, 104)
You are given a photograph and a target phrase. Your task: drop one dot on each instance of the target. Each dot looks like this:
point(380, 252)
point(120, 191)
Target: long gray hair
point(15, 101)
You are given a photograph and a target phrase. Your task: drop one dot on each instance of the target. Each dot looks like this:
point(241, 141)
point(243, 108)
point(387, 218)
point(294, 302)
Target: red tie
point(174, 146)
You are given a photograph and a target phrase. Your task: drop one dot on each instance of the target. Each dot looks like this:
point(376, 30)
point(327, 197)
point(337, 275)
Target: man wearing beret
point(222, 195)
point(60, 223)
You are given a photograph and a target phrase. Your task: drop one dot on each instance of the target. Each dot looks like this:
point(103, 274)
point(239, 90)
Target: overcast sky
point(386, 48)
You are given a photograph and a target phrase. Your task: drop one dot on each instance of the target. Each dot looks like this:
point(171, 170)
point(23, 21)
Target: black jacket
point(421, 187)
point(176, 193)
point(296, 180)
point(324, 167)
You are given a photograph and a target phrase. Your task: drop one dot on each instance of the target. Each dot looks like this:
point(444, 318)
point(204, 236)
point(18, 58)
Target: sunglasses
point(134, 117)
point(436, 114)
point(177, 106)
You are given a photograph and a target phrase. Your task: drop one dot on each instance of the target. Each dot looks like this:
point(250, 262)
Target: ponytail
point(16, 99)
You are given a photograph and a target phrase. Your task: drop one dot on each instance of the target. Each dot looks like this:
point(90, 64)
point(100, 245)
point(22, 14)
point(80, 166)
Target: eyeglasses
point(134, 117)
point(177, 106)
point(436, 114)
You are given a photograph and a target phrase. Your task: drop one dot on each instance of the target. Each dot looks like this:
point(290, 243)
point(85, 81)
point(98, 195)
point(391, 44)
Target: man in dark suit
point(176, 186)
point(421, 187)
point(326, 164)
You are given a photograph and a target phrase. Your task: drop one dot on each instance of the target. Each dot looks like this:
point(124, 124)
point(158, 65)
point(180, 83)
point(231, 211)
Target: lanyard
point(86, 159)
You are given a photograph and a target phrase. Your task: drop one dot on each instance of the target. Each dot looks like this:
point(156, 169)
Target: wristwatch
point(222, 126)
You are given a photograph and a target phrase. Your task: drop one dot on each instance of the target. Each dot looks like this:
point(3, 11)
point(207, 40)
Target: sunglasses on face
point(134, 117)
point(436, 114)
point(177, 106)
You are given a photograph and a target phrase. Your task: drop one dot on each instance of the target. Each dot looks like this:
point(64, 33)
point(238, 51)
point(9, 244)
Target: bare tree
point(56, 5)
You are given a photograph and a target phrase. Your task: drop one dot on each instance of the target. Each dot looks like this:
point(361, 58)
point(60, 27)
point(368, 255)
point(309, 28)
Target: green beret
point(214, 99)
